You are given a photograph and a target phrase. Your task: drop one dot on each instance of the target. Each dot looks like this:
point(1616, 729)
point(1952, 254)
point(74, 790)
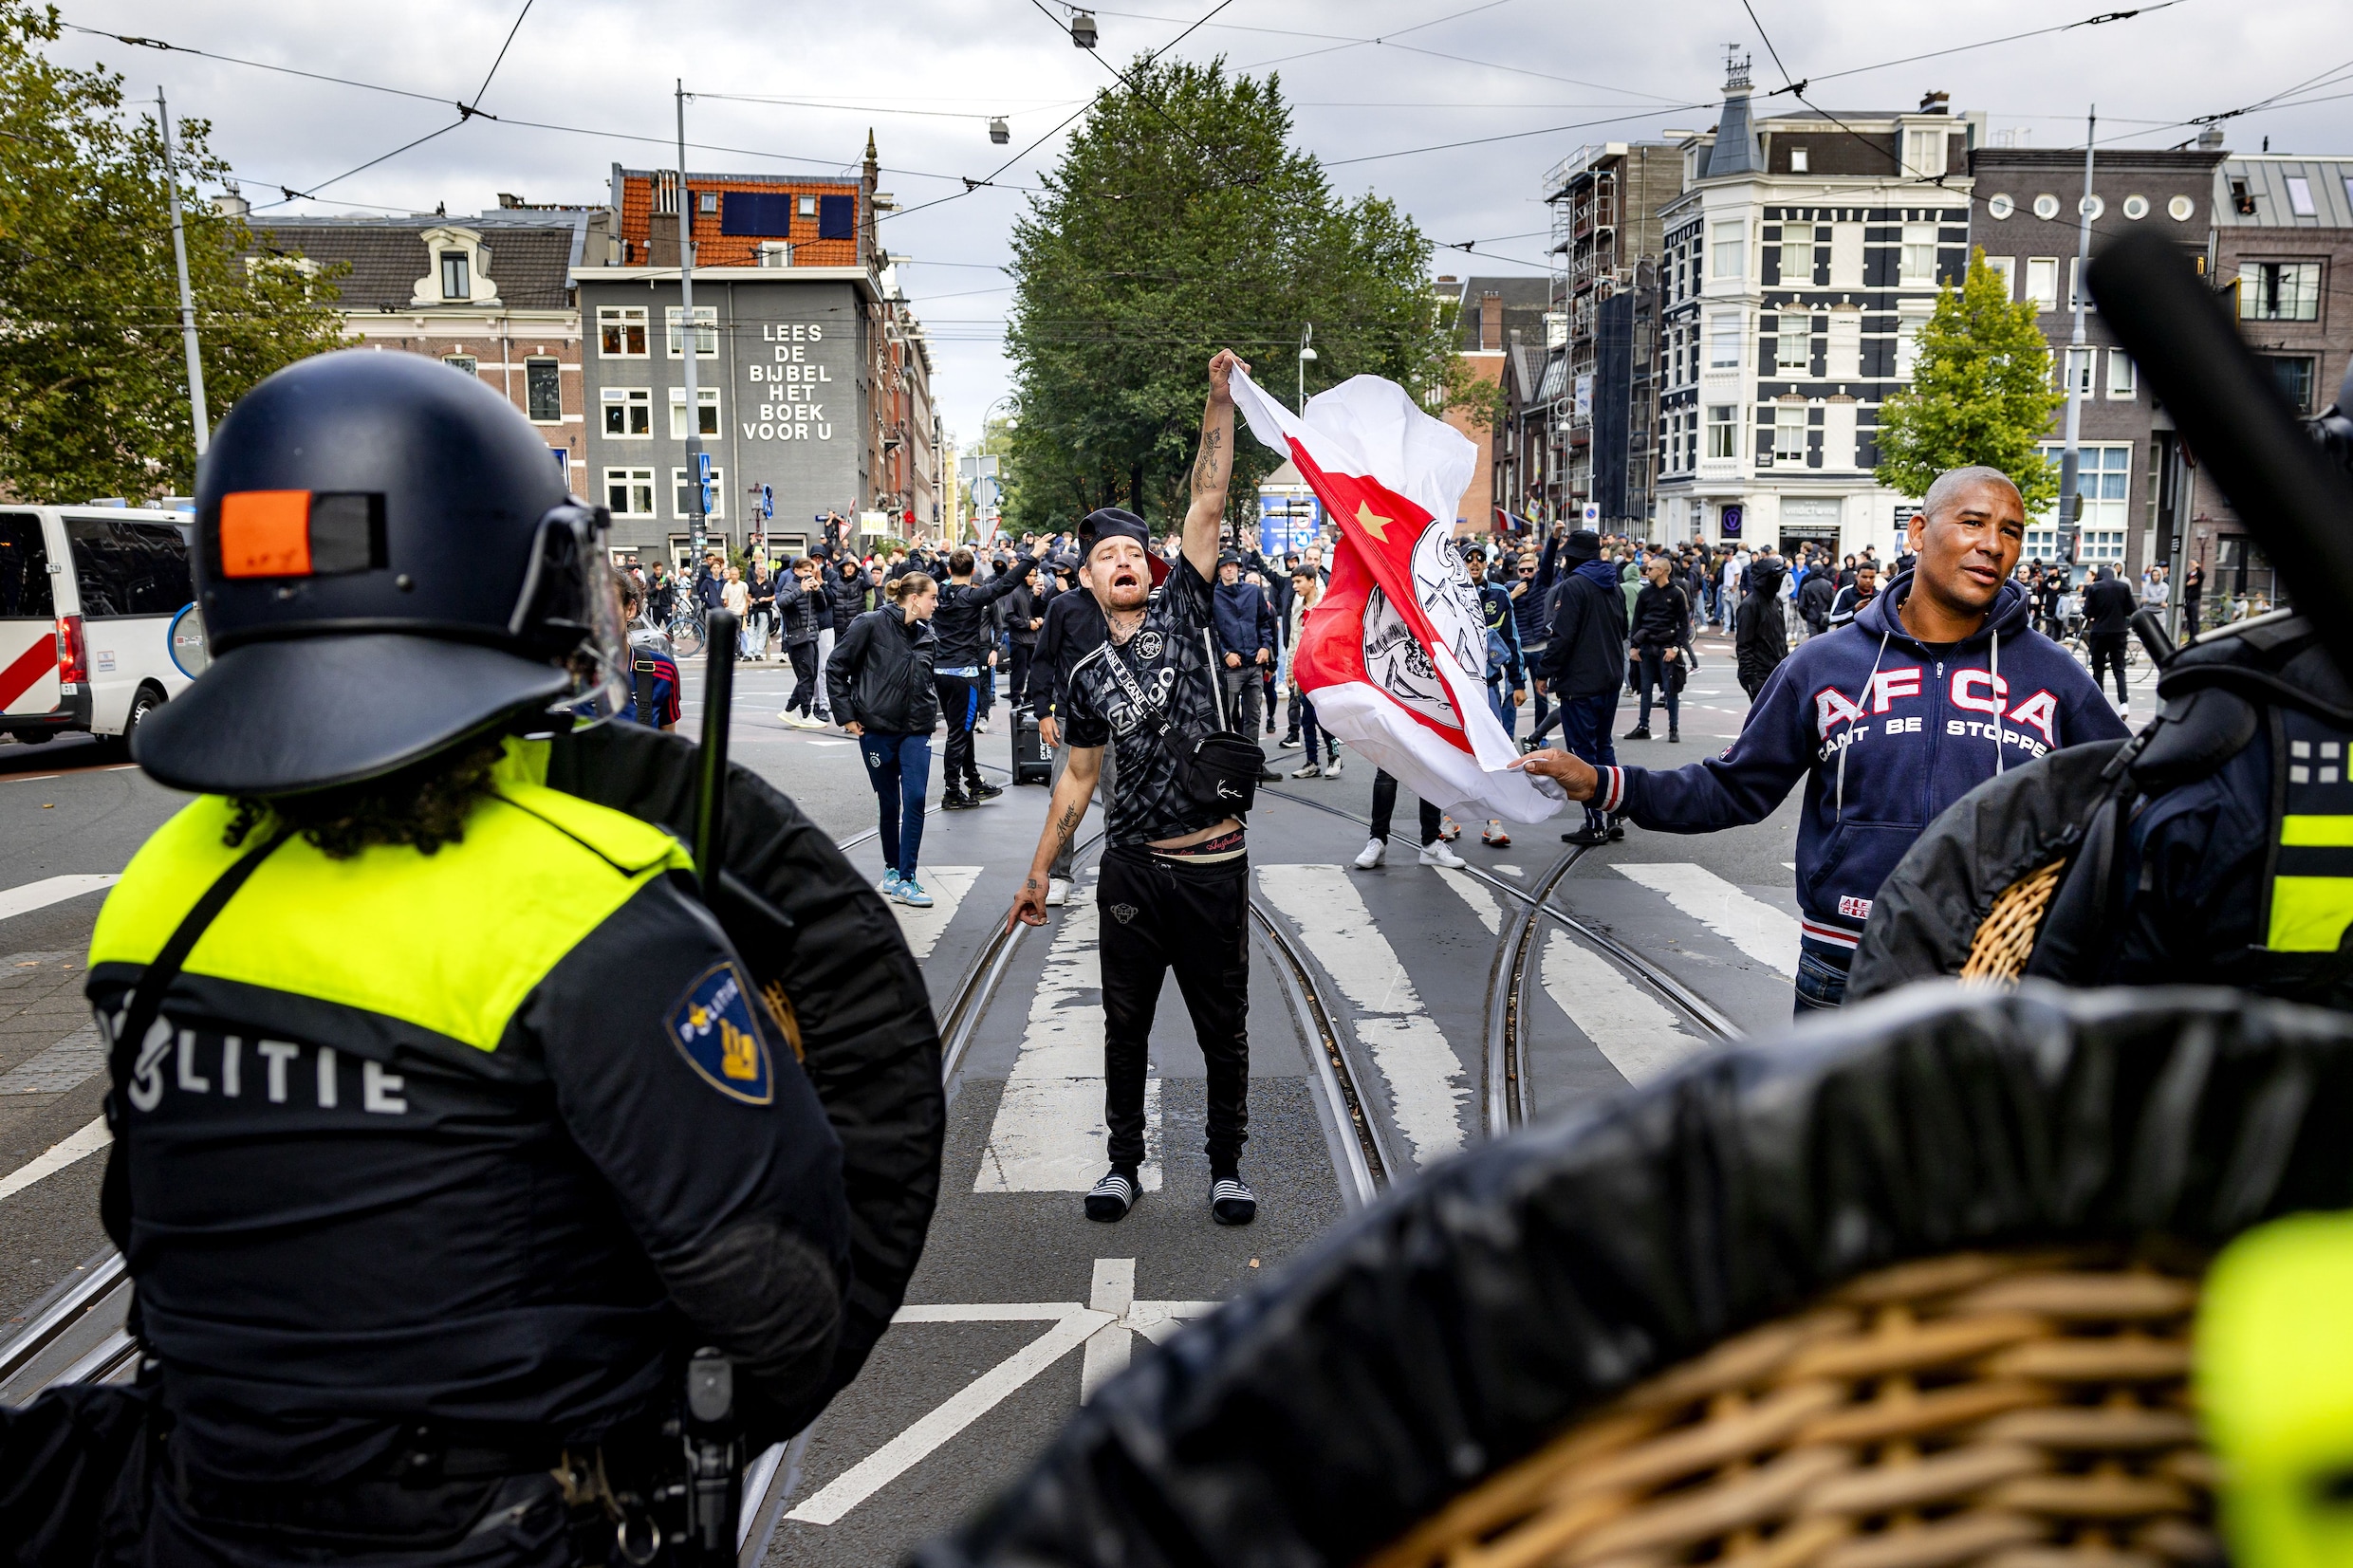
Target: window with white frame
point(455, 281)
point(2078, 372)
point(707, 397)
point(682, 494)
point(1798, 160)
point(621, 331)
point(2043, 281)
point(543, 391)
point(706, 331)
point(1723, 429)
point(2075, 286)
point(1769, 360)
point(2279, 291)
point(629, 492)
point(1728, 241)
point(2100, 478)
point(628, 411)
point(1908, 329)
point(465, 364)
point(1916, 264)
point(1790, 433)
point(2299, 197)
point(2005, 268)
point(1924, 154)
point(1724, 339)
point(2124, 376)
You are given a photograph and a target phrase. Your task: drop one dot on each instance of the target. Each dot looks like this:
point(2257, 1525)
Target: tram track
point(1507, 1095)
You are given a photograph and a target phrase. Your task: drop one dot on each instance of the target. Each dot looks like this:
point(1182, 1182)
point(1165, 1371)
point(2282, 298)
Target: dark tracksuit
point(800, 609)
point(1663, 621)
point(1531, 610)
point(1023, 606)
point(2107, 620)
point(1584, 664)
point(1245, 629)
point(1886, 731)
point(962, 626)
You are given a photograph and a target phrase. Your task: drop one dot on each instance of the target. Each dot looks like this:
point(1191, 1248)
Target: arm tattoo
point(1209, 468)
point(1068, 823)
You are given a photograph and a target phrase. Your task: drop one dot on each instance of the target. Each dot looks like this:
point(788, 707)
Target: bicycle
point(685, 632)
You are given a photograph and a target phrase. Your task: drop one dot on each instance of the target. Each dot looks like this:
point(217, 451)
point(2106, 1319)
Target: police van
point(97, 626)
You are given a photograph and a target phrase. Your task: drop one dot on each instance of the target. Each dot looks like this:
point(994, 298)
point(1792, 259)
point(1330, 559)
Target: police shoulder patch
point(712, 1029)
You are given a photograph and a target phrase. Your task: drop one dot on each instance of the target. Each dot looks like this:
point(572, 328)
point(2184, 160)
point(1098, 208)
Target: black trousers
point(1157, 915)
point(2107, 648)
point(1018, 691)
point(1385, 807)
point(959, 704)
point(804, 657)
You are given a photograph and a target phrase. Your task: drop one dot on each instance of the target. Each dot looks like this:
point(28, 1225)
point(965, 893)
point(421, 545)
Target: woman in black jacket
point(1662, 624)
point(880, 683)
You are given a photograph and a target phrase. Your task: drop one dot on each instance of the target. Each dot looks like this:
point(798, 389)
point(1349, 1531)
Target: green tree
point(1182, 220)
point(1981, 392)
point(93, 380)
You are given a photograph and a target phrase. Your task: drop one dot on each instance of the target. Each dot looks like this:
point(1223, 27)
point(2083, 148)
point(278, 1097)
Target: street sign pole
point(698, 464)
point(2070, 463)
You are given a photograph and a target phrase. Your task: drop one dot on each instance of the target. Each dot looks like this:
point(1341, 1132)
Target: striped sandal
point(1232, 1202)
point(1113, 1197)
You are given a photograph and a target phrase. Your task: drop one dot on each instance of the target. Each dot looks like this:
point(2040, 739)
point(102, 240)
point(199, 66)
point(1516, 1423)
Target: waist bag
point(1218, 769)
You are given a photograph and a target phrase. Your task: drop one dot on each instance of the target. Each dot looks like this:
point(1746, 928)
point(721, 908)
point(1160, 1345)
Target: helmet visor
point(570, 610)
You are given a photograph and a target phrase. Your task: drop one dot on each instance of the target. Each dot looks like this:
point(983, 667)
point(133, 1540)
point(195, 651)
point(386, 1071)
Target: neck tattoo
point(1124, 623)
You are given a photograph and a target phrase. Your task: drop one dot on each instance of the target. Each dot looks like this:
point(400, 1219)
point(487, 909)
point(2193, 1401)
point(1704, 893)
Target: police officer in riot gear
point(422, 1240)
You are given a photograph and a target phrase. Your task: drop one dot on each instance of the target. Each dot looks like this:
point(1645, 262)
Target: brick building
point(490, 295)
point(1498, 326)
point(812, 374)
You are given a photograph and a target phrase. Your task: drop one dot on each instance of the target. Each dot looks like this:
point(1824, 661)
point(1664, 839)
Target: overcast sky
point(1367, 79)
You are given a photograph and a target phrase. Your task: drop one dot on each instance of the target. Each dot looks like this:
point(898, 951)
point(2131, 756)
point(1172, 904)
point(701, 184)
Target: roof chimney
point(1490, 321)
point(508, 200)
point(1935, 104)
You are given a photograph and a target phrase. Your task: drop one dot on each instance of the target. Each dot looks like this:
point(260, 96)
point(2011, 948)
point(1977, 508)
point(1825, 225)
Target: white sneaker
point(1331, 769)
point(1057, 892)
point(1435, 853)
point(1372, 854)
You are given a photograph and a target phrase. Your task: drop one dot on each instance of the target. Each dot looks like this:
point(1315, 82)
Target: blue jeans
point(1499, 703)
point(1822, 976)
point(900, 768)
point(1304, 711)
point(1585, 725)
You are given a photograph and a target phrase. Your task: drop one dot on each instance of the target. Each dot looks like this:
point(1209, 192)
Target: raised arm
point(1213, 470)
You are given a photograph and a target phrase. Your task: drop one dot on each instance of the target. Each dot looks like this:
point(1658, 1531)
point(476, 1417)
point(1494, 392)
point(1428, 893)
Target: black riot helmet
point(387, 563)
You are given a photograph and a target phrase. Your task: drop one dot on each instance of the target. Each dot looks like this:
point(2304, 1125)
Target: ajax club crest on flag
point(712, 1027)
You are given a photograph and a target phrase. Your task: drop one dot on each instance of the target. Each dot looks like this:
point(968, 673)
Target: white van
point(91, 599)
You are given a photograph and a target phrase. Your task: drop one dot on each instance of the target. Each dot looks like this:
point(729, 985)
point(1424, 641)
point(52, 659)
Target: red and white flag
point(1395, 656)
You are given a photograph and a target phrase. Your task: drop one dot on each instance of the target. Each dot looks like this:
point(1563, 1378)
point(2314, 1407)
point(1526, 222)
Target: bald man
point(1938, 684)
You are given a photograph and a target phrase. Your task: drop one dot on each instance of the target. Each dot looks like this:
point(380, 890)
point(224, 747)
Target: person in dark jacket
point(2107, 620)
point(1760, 634)
point(1851, 599)
point(1936, 687)
point(965, 638)
point(1531, 606)
point(1661, 626)
point(1245, 629)
point(800, 602)
point(1814, 599)
point(880, 679)
point(1581, 666)
point(1025, 616)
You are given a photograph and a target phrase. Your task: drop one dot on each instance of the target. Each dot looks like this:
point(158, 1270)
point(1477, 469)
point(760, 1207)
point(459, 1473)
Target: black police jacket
point(880, 674)
point(482, 1141)
point(961, 623)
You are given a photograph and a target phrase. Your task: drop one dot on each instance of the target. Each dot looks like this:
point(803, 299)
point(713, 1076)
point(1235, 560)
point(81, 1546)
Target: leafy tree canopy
point(1981, 392)
point(93, 379)
point(1182, 220)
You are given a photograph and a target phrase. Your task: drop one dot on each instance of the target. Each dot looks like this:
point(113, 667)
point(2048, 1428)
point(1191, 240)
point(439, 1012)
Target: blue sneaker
point(890, 882)
point(910, 892)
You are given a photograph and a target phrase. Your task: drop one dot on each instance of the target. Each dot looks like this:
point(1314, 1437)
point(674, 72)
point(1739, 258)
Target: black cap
point(387, 562)
point(1116, 522)
point(1585, 544)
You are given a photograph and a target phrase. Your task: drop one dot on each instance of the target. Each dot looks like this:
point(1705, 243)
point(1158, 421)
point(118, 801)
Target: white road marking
point(1512, 871)
point(1629, 1025)
point(1094, 1325)
point(947, 885)
point(1049, 1136)
point(52, 890)
point(1757, 929)
point(59, 1068)
point(1427, 1085)
point(1474, 892)
point(56, 1157)
point(832, 743)
point(1114, 1291)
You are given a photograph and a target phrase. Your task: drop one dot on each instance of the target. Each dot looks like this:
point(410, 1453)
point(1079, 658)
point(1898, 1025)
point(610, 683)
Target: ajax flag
point(1395, 656)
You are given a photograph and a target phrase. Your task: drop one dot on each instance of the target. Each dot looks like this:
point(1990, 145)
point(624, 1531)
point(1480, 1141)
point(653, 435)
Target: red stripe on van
point(31, 666)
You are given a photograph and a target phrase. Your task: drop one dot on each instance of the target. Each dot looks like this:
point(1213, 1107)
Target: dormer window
point(455, 284)
point(1797, 161)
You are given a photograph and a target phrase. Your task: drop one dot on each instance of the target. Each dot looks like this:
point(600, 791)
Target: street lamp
point(1307, 352)
point(1083, 28)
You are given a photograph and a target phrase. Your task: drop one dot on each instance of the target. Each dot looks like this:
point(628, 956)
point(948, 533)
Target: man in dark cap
point(1175, 877)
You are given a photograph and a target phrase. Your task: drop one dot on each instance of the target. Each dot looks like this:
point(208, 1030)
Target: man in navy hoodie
point(1938, 684)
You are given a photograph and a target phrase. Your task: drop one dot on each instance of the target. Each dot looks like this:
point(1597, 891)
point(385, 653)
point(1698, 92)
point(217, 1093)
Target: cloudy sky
point(1380, 89)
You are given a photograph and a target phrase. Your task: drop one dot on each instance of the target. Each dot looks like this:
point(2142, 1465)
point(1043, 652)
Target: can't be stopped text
point(793, 411)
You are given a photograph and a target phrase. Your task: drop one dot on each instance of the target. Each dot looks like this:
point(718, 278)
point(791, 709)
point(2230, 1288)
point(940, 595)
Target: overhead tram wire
point(1511, 135)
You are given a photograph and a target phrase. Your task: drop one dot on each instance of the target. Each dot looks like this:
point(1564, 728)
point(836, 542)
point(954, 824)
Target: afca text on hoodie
point(1887, 731)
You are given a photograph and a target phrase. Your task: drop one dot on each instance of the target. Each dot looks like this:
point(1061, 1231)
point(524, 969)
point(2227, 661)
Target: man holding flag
point(1176, 875)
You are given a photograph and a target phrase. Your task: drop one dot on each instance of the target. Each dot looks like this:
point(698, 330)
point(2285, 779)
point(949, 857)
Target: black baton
point(710, 776)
